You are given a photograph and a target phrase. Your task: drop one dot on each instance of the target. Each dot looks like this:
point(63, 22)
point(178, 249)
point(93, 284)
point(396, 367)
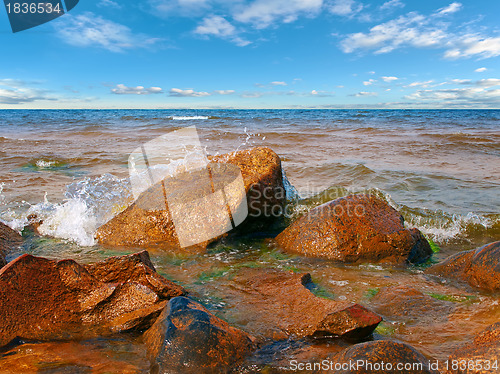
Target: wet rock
point(354, 229)
point(484, 350)
point(148, 222)
point(136, 267)
point(187, 338)
point(384, 356)
point(8, 240)
point(42, 299)
point(282, 301)
point(410, 304)
point(478, 267)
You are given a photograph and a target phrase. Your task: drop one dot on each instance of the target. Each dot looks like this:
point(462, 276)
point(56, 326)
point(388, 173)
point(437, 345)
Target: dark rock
point(43, 299)
point(409, 303)
point(8, 240)
point(479, 267)
point(147, 222)
point(354, 229)
point(281, 300)
point(187, 338)
point(384, 353)
point(485, 349)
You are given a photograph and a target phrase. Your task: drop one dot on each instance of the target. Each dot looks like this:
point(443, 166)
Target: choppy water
point(440, 168)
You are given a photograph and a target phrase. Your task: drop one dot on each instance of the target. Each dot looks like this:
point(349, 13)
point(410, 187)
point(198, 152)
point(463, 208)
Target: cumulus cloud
point(480, 70)
point(15, 92)
point(90, 30)
point(389, 79)
point(369, 82)
point(423, 84)
point(121, 89)
point(224, 92)
point(452, 8)
point(364, 93)
point(177, 92)
point(416, 30)
point(392, 4)
point(220, 27)
point(459, 96)
point(345, 7)
point(278, 83)
point(264, 13)
point(109, 4)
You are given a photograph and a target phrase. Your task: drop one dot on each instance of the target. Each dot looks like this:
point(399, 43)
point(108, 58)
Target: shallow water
point(441, 169)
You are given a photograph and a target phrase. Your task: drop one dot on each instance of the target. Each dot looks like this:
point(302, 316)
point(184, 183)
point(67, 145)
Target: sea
point(439, 168)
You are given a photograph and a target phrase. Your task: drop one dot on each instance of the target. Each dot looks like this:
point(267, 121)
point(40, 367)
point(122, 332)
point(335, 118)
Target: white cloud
point(419, 31)
point(345, 7)
point(109, 4)
point(278, 83)
point(488, 82)
point(392, 4)
point(364, 93)
point(469, 45)
point(220, 27)
point(452, 8)
point(177, 92)
point(224, 92)
point(389, 79)
point(423, 84)
point(480, 70)
point(121, 89)
point(264, 13)
point(459, 96)
point(369, 82)
point(15, 92)
point(90, 30)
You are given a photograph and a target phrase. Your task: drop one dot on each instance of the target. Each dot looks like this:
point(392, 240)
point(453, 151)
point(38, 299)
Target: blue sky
point(256, 54)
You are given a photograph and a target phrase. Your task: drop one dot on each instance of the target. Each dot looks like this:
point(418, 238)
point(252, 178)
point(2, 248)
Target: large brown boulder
point(353, 229)
point(479, 267)
point(283, 301)
point(43, 299)
point(480, 356)
point(8, 240)
point(187, 338)
point(381, 356)
point(148, 222)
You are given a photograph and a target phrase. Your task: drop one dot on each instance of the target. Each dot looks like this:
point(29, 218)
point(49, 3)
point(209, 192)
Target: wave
point(187, 118)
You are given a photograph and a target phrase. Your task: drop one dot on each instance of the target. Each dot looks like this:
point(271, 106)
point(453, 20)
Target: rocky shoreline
point(43, 300)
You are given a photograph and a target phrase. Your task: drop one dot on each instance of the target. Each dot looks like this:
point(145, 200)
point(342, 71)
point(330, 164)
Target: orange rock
point(138, 226)
point(479, 267)
point(354, 229)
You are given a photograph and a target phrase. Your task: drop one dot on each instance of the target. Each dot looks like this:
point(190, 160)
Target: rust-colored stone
point(484, 350)
point(479, 267)
point(136, 267)
point(282, 300)
point(380, 354)
point(140, 225)
point(354, 229)
point(8, 240)
point(187, 338)
point(43, 299)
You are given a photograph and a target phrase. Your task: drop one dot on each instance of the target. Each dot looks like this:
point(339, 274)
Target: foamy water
point(441, 169)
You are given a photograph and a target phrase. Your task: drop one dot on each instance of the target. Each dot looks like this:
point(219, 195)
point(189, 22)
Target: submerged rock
point(479, 267)
point(410, 304)
point(42, 299)
point(283, 301)
point(187, 338)
point(148, 221)
point(382, 356)
point(480, 356)
point(354, 229)
point(8, 240)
